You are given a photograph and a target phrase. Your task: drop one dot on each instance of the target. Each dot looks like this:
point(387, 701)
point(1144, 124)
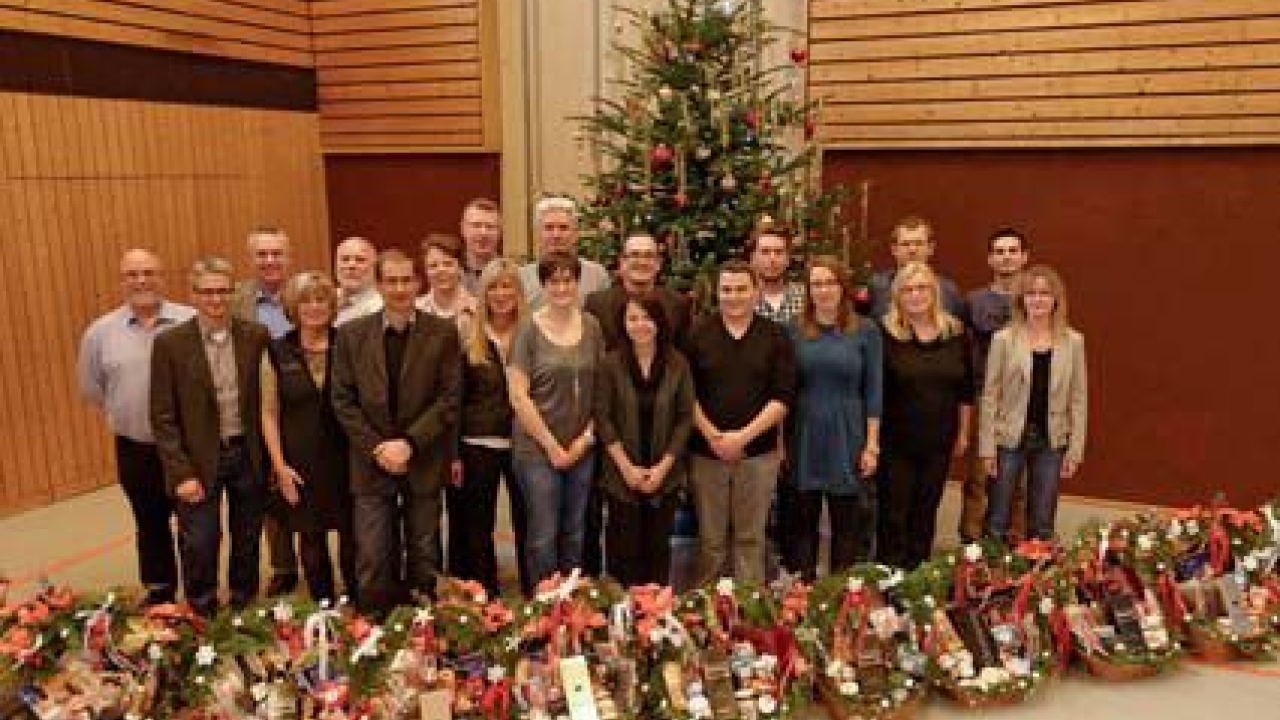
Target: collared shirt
point(788, 308)
point(115, 367)
point(270, 312)
point(365, 302)
point(219, 348)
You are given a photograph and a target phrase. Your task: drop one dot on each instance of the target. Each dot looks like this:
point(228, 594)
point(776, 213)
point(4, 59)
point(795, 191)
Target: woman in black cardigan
point(643, 417)
point(484, 448)
point(307, 447)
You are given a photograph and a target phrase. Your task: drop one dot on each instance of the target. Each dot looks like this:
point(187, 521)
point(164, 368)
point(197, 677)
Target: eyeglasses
point(212, 292)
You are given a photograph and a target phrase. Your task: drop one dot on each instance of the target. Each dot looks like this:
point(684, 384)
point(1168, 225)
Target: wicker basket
point(839, 709)
point(1210, 647)
point(975, 700)
point(1101, 667)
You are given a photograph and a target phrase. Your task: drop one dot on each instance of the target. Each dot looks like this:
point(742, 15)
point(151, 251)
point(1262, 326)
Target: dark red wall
point(1170, 259)
point(395, 200)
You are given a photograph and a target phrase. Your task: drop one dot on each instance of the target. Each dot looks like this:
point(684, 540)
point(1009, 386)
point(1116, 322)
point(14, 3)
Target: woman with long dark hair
point(643, 417)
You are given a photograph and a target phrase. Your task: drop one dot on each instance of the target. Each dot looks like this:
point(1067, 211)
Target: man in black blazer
point(396, 391)
point(205, 402)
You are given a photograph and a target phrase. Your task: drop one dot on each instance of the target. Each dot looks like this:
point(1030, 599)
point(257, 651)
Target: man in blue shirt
point(259, 300)
point(912, 241)
point(115, 375)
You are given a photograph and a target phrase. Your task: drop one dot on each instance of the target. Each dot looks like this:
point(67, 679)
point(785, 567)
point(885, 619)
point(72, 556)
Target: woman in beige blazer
point(1034, 404)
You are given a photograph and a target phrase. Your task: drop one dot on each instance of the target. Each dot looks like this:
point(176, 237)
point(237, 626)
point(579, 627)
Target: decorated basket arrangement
point(570, 661)
point(1225, 596)
point(1116, 585)
point(978, 622)
point(866, 654)
point(744, 658)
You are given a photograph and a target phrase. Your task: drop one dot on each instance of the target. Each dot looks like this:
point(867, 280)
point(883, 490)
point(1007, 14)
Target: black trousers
point(142, 480)
point(473, 511)
point(910, 490)
point(638, 535)
point(853, 528)
point(317, 563)
point(200, 533)
point(593, 552)
point(790, 531)
point(397, 547)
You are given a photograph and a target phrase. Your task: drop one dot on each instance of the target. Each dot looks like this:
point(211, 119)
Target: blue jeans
point(556, 507)
point(1043, 465)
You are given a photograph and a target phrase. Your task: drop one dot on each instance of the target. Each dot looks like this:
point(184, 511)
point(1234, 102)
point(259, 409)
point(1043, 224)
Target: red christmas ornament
point(861, 295)
point(662, 154)
point(799, 55)
point(810, 127)
point(680, 200)
point(766, 183)
point(752, 119)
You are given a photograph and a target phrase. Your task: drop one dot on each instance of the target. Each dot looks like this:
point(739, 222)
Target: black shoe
point(158, 596)
point(282, 585)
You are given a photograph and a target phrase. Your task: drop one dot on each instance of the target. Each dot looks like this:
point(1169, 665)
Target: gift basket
point(867, 656)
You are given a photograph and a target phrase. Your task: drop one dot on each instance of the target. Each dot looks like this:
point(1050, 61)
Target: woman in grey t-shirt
point(551, 376)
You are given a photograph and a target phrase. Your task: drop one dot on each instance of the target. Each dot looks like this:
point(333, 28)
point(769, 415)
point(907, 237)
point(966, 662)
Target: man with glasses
point(115, 375)
point(205, 411)
point(555, 219)
point(638, 269)
point(912, 241)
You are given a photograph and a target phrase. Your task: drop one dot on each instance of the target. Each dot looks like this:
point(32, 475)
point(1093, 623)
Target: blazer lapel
point(1058, 364)
point(200, 360)
point(413, 346)
point(244, 355)
point(1022, 356)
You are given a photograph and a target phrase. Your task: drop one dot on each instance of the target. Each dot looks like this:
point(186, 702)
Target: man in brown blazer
point(205, 415)
point(396, 392)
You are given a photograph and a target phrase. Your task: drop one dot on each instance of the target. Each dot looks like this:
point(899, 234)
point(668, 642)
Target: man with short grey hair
point(555, 219)
point(357, 291)
point(115, 375)
point(205, 411)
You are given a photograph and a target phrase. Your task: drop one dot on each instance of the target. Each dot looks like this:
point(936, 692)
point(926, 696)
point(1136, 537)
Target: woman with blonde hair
point(928, 403)
point(484, 450)
point(835, 439)
point(305, 443)
point(1034, 404)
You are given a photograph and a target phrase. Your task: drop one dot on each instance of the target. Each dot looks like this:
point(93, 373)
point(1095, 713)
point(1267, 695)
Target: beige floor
point(87, 542)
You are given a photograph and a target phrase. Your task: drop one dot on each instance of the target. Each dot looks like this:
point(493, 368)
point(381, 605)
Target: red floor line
point(71, 561)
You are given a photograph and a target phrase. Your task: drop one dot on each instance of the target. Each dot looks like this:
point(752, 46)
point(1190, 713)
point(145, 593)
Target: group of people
point(370, 409)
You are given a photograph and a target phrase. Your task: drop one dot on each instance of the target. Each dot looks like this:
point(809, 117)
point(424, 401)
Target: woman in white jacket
point(1034, 404)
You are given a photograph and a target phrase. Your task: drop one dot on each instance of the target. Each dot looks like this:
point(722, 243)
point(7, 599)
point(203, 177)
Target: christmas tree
point(705, 143)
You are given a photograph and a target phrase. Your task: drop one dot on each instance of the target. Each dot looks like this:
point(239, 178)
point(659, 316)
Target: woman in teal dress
point(835, 439)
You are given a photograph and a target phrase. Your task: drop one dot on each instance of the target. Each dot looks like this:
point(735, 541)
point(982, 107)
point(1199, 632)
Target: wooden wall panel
point(1025, 73)
point(82, 179)
point(406, 75)
point(276, 31)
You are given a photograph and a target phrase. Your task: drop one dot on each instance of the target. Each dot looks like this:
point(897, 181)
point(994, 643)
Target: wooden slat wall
point(972, 73)
point(406, 75)
point(275, 31)
point(83, 179)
